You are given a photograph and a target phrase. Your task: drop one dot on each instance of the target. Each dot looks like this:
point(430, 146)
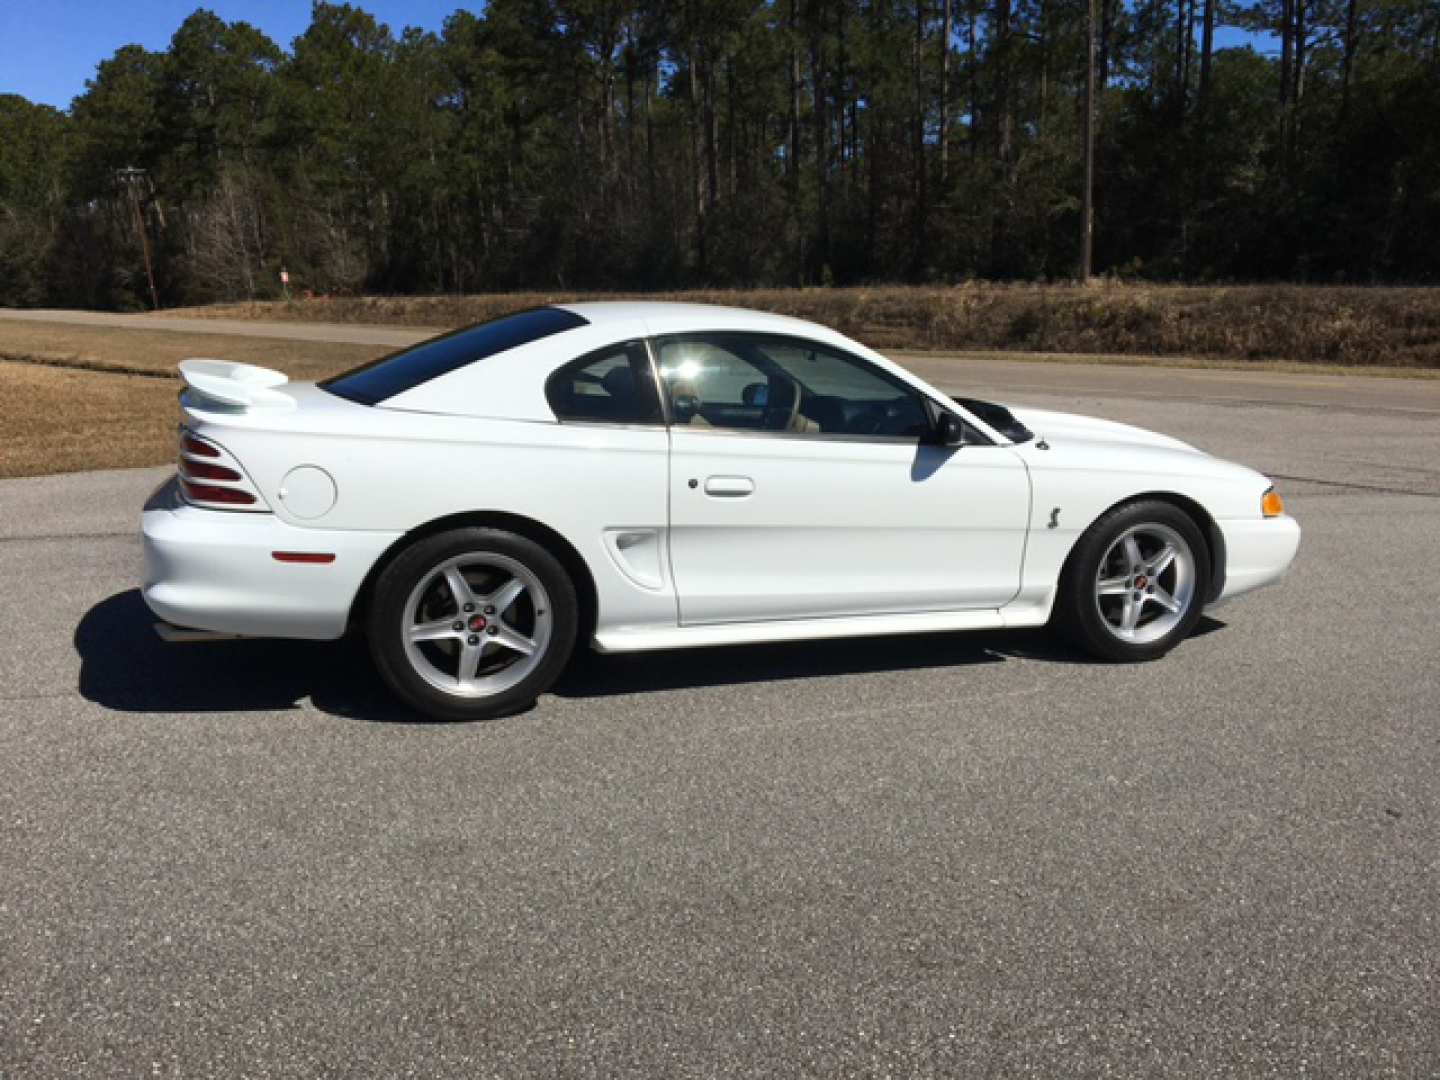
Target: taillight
point(199, 470)
point(209, 493)
point(218, 482)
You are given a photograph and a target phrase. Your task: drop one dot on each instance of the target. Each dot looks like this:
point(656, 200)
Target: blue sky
point(48, 48)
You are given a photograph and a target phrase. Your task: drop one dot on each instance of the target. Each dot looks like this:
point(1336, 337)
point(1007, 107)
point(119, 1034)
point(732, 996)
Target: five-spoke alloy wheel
point(472, 623)
point(1135, 584)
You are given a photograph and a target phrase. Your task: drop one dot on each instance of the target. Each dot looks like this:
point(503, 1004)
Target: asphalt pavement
point(343, 333)
point(946, 855)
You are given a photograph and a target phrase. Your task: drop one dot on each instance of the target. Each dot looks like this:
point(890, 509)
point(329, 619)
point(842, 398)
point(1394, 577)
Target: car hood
point(1070, 426)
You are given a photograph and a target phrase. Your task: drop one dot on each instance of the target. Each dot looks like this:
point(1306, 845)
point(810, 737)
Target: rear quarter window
point(382, 379)
point(614, 385)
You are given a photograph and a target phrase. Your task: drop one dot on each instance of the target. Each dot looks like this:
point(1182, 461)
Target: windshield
point(382, 379)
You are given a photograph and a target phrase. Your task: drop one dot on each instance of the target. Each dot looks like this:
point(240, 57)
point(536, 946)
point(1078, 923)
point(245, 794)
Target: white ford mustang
point(653, 476)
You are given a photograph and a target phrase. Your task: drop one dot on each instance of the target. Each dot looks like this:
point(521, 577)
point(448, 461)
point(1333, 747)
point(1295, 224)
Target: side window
point(711, 383)
point(613, 385)
point(763, 382)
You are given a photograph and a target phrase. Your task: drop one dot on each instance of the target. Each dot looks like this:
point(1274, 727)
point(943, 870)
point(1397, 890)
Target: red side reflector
point(211, 494)
point(193, 445)
point(201, 471)
point(303, 556)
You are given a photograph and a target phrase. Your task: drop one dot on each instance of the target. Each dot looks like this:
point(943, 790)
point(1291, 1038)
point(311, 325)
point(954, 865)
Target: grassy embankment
point(1290, 324)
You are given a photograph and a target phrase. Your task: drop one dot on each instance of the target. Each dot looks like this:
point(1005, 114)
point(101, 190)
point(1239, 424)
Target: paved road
point(344, 333)
point(959, 856)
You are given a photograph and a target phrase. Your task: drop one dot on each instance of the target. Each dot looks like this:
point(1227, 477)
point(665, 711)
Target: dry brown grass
point(110, 349)
point(57, 420)
point(67, 401)
point(1347, 326)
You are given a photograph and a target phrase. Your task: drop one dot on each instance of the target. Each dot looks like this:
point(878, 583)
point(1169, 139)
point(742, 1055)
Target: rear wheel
point(472, 624)
point(1135, 585)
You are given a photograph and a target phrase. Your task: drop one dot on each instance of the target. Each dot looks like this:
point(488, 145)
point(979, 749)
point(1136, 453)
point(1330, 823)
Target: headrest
point(619, 382)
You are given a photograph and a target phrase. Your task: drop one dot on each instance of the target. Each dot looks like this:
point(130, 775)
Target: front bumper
point(216, 570)
point(1257, 552)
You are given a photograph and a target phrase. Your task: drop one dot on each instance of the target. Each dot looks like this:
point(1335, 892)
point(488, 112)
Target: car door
point(802, 485)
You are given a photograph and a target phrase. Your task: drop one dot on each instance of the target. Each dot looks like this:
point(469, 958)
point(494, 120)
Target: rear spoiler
point(234, 386)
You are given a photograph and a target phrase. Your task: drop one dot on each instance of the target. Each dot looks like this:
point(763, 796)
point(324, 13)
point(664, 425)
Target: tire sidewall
point(1081, 619)
point(387, 614)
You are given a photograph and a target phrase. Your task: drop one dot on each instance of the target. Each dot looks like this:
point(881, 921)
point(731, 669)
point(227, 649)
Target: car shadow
point(594, 675)
point(125, 666)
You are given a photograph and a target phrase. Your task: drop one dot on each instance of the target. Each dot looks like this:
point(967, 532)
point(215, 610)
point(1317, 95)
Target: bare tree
point(224, 239)
point(947, 27)
point(1347, 62)
point(1087, 212)
point(1207, 48)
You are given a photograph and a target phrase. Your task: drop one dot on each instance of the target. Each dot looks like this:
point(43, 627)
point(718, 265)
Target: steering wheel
point(868, 422)
point(684, 400)
point(789, 413)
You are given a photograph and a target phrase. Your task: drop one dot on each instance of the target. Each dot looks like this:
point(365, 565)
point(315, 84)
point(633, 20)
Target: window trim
point(653, 351)
point(930, 405)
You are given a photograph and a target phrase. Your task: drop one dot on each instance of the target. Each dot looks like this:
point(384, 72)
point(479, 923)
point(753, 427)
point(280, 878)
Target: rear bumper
point(1257, 552)
point(216, 570)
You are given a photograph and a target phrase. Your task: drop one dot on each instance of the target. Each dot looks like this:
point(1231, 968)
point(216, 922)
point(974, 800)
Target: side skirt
point(640, 639)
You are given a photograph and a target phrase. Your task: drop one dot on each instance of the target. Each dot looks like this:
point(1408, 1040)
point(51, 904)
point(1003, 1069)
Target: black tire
point(408, 668)
point(1094, 623)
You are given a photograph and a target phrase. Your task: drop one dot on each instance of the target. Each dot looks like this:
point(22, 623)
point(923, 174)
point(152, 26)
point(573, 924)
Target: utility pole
point(132, 178)
point(1087, 222)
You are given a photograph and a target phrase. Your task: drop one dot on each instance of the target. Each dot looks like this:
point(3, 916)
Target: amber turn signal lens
point(1271, 505)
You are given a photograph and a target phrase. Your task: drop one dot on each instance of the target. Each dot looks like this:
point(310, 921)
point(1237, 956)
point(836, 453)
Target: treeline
point(639, 145)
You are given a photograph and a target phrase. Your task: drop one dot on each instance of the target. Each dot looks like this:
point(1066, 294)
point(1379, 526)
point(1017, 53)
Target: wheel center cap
point(477, 623)
point(1141, 581)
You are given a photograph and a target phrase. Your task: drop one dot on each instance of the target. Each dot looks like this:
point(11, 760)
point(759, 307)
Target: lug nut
point(469, 607)
point(458, 626)
point(472, 640)
point(493, 631)
point(489, 609)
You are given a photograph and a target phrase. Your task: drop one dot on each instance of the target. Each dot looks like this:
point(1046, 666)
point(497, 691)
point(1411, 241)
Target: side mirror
point(949, 429)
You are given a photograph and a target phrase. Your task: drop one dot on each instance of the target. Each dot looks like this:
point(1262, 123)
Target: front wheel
point(1136, 582)
point(472, 624)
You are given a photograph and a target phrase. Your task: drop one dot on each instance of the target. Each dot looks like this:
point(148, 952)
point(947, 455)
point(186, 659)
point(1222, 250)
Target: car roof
point(667, 315)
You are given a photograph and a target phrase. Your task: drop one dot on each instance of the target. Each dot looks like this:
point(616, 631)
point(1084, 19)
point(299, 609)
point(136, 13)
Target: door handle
point(729, 487)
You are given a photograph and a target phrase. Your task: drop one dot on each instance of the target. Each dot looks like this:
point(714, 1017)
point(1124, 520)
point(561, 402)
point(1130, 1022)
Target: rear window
point(382, 379)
